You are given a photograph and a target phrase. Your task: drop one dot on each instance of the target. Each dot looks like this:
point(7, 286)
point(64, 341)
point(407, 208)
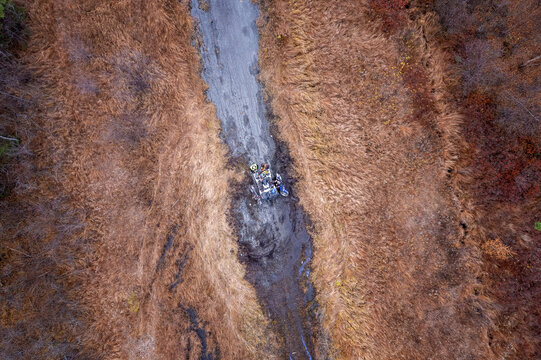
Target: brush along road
point(272, 235)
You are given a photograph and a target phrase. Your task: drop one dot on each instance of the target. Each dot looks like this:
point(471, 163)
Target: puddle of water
point(306, 348)
point(303, 270)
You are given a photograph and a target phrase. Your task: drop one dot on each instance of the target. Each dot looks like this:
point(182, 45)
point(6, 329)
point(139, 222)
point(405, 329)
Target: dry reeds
point(115, 243)
point(375, 138)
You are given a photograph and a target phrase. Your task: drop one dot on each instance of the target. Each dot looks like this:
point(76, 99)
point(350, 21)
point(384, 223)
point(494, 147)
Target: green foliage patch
point(2, 7)
point(3, 149)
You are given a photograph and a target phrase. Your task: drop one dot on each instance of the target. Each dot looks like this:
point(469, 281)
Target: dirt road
point(276, 243)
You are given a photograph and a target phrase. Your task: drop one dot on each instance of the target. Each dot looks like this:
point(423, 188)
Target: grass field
point(413, 129)
point(115, 241)
point(364, 94)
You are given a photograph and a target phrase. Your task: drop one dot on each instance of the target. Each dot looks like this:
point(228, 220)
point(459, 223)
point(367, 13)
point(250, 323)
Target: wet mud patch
point(274, 244)
point(206, 351)
point(180, 264)
point(276, 249)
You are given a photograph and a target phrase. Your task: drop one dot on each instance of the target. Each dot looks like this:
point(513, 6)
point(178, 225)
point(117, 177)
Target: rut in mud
point(273, 235)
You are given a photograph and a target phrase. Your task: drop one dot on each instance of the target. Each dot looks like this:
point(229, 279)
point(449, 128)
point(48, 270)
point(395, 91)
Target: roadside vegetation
point(114, 237)
point(415, 137)
point(12, 102)
point(496, 48)
point(415, 142)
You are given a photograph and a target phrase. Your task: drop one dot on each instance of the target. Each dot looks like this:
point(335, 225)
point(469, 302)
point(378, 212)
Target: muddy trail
point(276, 246)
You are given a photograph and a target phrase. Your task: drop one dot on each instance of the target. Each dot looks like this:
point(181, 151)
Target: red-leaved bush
point(416, 81)
point(508, 168)
point(391, 12)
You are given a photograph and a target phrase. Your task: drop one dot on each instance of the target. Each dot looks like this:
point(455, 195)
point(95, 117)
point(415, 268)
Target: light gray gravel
point(229, 50)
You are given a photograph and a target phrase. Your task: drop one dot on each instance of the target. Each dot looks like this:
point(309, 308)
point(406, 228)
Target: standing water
point(277, 245)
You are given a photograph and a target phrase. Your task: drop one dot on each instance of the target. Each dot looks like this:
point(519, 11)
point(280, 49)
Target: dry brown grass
point(495, 45)
point(126, 185)
point(497, 249)
point(374, 136)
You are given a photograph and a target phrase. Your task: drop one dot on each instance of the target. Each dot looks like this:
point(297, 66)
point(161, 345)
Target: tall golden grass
point(125, 195)
point(375, 136)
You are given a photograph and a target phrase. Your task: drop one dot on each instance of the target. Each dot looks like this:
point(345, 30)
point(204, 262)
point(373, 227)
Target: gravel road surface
point(273, 235)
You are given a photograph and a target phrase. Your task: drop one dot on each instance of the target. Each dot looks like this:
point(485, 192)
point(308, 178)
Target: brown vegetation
point(496, 48)
point(114, 240)
point(414, 130)
point(404, 259)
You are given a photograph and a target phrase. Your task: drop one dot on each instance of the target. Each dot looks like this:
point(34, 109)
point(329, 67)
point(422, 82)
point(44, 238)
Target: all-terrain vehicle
point(265, 186)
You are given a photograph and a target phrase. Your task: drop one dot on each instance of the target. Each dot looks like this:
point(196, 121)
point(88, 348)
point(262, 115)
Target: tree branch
point(8, 138)
point(521, 104)
point(530, 61)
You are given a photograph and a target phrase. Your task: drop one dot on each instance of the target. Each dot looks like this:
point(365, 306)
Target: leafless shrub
point(478, 64)
point(455, 15)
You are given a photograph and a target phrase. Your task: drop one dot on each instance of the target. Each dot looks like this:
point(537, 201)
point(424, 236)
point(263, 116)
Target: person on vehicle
point(278, 184)
point(253, 167)
point(265, 168)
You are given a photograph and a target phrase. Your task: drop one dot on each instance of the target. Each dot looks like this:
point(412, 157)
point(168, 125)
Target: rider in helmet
point(253, 167)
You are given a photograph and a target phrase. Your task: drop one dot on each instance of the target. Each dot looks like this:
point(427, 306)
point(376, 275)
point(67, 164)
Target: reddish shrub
point(508, 168)
point(416, 80)
point(391, 12)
